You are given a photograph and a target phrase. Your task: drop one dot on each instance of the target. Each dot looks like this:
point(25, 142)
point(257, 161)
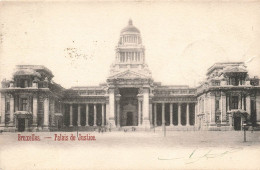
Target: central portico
point(130, 82)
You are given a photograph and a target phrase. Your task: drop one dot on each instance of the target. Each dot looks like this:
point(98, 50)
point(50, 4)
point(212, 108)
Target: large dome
point(130, 28)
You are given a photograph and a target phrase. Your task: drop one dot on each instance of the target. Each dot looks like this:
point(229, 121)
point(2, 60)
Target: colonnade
point(87, 114)
point(179, 113)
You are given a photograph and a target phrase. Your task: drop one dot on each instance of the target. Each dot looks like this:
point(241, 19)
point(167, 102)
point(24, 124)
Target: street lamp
point(244, 125)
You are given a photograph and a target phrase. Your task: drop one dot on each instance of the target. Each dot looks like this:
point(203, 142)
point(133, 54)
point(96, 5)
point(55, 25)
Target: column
point(87, 115)
point(187, 114)
point(11, 111)
point(195, 113)
point(71, 115)
point(155, 114)
point(111, 107)
point(171, 116)
point(139, 112)
point(243, 104)
point(95, 115)
point(103, 109)
point(35, 110)
point(212, 116)
point(2, 110)
point(46, 113)
point(16, 104)
point(150, 113)
point(228, 104)
point(239, 101)
point(107, 113)
point(79, 108)
point(179, 114)
point(163, 114)
point(248, 105)
point(146, 122)
point(118, 113)
point(63, 114)
point(223, 107)
point(258, 108)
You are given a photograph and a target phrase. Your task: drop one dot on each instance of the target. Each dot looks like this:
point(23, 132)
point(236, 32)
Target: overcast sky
point(182, 39)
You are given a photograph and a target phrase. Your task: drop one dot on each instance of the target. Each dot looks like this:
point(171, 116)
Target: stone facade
point(31, 101)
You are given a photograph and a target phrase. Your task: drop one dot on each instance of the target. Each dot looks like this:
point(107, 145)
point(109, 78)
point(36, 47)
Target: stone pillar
point(258, 108)
point(187, 114)
point(212, 116)
point(71, 115)
point(118, 113)
point(51, 111)
point(248, 105)
point(35, 110)
point(223, 107)
point(16, 104)
point(228, 104)
point(195, 113)
point(163, 114)
point(111, 107)
point(46, 113)
point(150, 113)
point(179, 114)
point(155, 114)
point(79, 108)
point(239, 101)
point(107, 113)
point(87, 115)
point(146, 122)
point(103, 110)
point(26, 128)
point(11, 123)
point(243, 106)
point(95, 115)
point(139, 112)
point(2, 110)
point(171, 114)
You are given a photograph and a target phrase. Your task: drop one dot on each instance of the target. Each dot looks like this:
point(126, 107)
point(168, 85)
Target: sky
point(182, 39)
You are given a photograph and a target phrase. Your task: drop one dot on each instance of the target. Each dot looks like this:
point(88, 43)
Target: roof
point(235, 69)
point(35, 67)
point(222, 65)
point(22, 72)
point(130, 28)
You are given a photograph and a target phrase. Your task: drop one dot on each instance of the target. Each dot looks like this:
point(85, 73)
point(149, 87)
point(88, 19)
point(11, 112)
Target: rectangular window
point(234, 102)
point(7, 106)
point(40, 106)
point(24, 104)
point(217, 104)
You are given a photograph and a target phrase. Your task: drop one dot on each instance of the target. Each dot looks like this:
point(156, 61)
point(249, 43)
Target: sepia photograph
point(129, 84)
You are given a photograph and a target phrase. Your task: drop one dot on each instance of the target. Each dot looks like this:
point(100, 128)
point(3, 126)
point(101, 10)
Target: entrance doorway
point(237, 123)
point(21, 124)
point(129, 119)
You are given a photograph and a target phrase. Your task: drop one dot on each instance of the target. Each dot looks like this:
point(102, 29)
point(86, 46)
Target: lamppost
point(244, 124)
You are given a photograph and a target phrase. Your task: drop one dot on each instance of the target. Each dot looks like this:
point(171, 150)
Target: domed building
point(130, 98)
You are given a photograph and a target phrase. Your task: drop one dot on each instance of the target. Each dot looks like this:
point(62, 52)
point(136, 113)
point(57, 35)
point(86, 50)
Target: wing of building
point(130, 98)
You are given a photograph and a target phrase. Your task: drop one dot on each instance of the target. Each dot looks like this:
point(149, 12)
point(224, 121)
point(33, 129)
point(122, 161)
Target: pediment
point(128, 75)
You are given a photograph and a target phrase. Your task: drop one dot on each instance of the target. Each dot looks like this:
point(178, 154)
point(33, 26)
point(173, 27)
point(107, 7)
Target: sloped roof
point(235, 69)
point(23, 72)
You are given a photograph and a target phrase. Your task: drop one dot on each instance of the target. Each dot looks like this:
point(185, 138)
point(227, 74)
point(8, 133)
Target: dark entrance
point(21, 124)
point(237, 123)
point(129, 119)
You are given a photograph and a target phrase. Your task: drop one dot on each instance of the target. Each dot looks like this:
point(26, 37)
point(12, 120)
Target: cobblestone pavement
point(130, 150)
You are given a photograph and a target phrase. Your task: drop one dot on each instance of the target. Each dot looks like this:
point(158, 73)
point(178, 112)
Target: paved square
point(132, 150)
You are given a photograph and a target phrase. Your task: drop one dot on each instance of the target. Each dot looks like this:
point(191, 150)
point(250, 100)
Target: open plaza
point(132, 150)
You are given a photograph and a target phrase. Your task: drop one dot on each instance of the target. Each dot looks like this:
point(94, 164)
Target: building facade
point(130, 97)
